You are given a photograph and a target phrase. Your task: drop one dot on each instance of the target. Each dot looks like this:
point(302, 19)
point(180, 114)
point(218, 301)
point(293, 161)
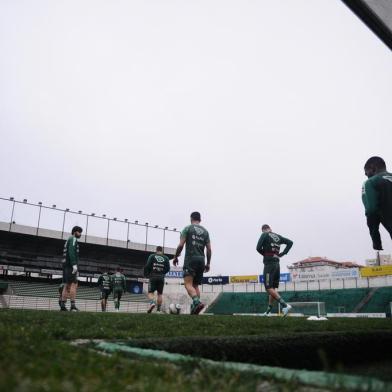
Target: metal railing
point(85, 305)
point(88, 216)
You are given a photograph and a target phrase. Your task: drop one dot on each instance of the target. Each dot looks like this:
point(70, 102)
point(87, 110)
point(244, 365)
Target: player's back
point(197, 238)
point(118, 280)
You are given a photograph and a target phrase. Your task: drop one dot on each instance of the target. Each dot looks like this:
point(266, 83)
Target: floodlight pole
point(107, 233)
point(85, 236)
point(39, 216)
point(164, 236)
point(128, 235)
point(146, 236)
point(12, 213)
point(62, 233)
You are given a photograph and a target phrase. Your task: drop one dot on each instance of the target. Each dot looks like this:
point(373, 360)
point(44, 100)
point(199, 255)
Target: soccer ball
point(174, 308)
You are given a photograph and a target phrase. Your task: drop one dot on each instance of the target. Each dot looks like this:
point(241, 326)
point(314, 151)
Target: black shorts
point(156, 285)
point(117, 294)
point(271, 275)
point(105, 293)
point(68, 276)
point(194, 267)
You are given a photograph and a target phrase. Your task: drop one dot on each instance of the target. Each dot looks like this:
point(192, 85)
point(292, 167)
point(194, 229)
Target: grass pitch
point(36, 354)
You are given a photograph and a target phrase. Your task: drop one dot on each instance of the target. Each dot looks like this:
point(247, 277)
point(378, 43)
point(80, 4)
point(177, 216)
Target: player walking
point(377, 199)
point(105, 285)
point(158, 265)
point(119, 286)
point(269, 246)
point(70, 268)
point(196, 239)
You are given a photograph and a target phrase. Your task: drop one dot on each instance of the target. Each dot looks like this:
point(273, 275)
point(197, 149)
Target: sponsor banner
point(344, 273)
point(285, 277)
point(244, 279)
point(96, 276)
point(175, 274)
point(215, 280)
point(15, 268)
point(28, 269)
point(3, 267)
point(358, 315)
point(376, 271)
point(143, 280)
point(51, 272)
point(87, 274)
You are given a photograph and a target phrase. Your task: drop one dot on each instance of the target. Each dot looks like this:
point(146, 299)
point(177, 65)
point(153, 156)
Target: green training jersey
point(118, 282)
point(269, 246)
point(105, 281)
point(71, 251)
point(196, 239)
point(377, 195)
point(158, 265)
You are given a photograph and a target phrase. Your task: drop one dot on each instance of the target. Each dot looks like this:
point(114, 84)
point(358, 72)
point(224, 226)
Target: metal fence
point(126, 230)
point(85, 305)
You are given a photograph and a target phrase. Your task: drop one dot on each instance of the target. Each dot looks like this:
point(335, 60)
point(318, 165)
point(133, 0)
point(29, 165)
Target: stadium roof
point(376, 14)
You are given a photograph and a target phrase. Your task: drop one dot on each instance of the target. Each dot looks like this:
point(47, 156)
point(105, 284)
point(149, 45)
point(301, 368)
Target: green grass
point(36, 355)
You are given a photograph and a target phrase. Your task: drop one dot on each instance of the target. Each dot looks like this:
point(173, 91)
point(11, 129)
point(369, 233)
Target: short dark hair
point(265, 227)
point(376, 162)
point(195, 216)
point(76, 228)
point(159, 249)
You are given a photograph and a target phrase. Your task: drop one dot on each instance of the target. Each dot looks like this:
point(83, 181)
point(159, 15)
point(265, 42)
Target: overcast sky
point(250, 112)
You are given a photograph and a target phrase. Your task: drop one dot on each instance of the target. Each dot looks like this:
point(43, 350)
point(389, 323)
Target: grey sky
point(251, 112)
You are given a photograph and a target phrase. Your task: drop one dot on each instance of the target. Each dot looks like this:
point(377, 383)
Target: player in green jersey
point(118, 286)
point(70, 268)
point(269, 247)
point(196, 239)
point(156, 268)
point(377, 199)
point(105, 285)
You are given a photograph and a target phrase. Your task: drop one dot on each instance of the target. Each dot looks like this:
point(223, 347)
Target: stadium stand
point(363, 300)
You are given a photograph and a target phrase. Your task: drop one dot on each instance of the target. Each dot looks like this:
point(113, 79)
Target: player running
point(70, 268)
point(377, 199)
point(196, 239)
point(269, 246)
point(105, 285)
point(158, 265)
point(119, 286)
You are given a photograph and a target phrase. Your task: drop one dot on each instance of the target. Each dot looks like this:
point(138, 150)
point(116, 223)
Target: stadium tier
point(368, 300)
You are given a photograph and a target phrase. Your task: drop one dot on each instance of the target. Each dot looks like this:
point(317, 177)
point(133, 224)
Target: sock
point(73, 304)
point(269, 309)
point(281, 301)
point(158, 308)
point(196, 300)
point(62, 304)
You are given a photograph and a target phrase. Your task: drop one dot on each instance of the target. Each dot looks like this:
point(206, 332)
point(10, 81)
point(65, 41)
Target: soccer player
point(105, 284)
point(269, 247)
point(70, 268)
point(158, 265)
point(119, 286)
point(377, 199)
point(196, 239)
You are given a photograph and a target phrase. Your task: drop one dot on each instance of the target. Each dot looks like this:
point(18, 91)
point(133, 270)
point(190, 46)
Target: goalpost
point(306, 309)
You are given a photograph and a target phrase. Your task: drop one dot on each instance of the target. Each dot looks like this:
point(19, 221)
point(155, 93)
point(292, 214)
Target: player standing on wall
point(119, 286)
point(70, 268)
point(158, 265)
point(377, 199)
point(269, 246)
point(196, 239)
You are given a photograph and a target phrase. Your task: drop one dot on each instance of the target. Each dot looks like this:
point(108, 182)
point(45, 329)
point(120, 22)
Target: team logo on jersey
point(159, 259)
point(198, 230)
point(274, 237)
